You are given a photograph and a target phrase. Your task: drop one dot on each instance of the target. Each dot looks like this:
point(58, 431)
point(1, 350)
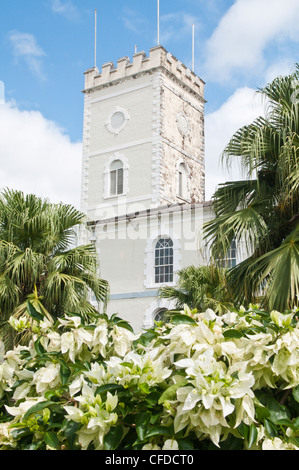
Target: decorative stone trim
point(157, 146)
point(85, 154)
point(116, 128)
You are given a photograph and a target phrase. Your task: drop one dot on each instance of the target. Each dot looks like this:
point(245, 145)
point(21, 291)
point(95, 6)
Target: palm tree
point(263, 210)
point(39, 262)
point(200, 287)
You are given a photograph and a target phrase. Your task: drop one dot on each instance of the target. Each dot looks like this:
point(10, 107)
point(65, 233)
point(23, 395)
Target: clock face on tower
point(183, 124)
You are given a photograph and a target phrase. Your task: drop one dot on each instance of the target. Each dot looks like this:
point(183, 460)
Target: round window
point(183, 124)
point(117, 120)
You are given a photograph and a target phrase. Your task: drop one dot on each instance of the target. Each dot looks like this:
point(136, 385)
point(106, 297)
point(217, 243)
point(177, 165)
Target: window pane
point(120, 181)
point(113, 183)
point(164, 261)
point(180, 184)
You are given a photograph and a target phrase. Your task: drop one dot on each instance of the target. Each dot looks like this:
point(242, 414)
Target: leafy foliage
point(263, 211)
point(198, 382)
point(39, 261)
point(200, 287)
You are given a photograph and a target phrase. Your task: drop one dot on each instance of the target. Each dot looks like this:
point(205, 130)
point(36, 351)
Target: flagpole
point(193, 47)
point(95, 38)
point(158, 21)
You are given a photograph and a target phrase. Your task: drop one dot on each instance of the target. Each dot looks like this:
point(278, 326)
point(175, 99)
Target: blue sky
point(46, 45)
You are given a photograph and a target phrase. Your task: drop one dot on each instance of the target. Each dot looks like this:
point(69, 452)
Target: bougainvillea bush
point(195, 382)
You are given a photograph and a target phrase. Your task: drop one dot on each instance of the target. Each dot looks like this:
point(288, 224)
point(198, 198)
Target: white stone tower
point(144, 121)
point(143, 176)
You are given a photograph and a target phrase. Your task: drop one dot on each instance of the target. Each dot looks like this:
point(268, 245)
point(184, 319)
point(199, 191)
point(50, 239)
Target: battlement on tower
point(158, 58)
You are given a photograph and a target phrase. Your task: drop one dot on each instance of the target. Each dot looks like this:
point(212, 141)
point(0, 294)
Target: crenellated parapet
point(158, 58)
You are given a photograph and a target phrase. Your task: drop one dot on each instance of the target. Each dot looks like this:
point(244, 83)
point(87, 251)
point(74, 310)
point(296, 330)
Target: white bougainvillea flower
point(68, 345)
point(19, 411)
point(277, 444)
point(280, 319)
point(70, 321)
point(74, 413)
point(47, 378)
point(19, 324)
point(122, 340)
point(100, 338)
point(170, 444)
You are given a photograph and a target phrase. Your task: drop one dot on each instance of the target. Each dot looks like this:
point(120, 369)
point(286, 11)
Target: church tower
point(143, 177)
point(143, 142)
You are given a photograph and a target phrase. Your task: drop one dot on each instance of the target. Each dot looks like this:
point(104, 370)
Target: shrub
point(199, 381)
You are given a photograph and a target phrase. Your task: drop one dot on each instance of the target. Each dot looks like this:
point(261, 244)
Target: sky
point(47, 45)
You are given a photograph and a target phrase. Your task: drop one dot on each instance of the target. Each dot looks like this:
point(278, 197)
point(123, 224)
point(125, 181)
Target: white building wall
point(126, 249)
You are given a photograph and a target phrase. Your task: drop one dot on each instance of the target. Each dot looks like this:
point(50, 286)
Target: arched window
point(116, 178)
point(164, 261)
point(183, 181)
point(160, 314)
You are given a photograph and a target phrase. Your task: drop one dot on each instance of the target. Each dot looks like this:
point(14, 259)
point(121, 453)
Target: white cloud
point(38, 157)
point(245, 31)
point(66, 9)
point(25, 47)
point(239, 110)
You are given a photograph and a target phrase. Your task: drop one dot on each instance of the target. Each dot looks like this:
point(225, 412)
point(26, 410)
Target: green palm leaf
point(263, 210)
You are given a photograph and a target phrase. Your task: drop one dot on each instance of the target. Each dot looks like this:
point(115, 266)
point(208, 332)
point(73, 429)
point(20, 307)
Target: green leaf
point(38, 407)
point(185, 444)
point(147, 337)
point(125, 325)
point(170, 392)
point(38, 347)
point(261, 413)
point(34, 313)
point(51, 439)
point(65, 373)
point(182, 319)
point(108, 388)
point(233, 334)
point(71, 428)
point(296, 393)
point(144, 388)
point(19, 433)
point(244, 430)
point(252, 438)
point(158, 431)
point(142, 422)
point(295, 424)
point(270, 428)
point(277, 411)
point(113, 438)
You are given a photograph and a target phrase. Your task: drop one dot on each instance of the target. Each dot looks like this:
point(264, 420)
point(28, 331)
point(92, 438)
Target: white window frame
point(161, 266)
point(119, 129)
point(149, 271)
point(154, 308)
point(107, 176)
point(185, 191)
